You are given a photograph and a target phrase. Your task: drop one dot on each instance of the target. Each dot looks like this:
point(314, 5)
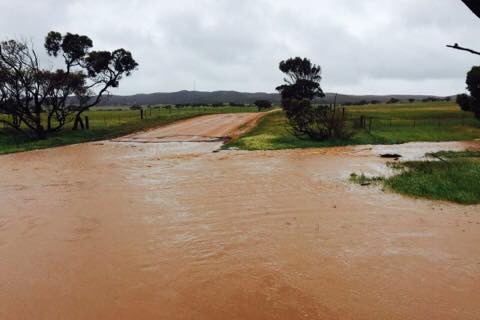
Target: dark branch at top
point(473, 5)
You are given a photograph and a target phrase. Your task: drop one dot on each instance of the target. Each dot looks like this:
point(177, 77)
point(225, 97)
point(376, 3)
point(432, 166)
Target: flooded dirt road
point(133, 230)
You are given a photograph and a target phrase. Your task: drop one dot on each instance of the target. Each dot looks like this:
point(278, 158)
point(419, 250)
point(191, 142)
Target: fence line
point(372, 123)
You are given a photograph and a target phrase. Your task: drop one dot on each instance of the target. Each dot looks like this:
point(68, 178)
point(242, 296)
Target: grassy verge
point(455, 178)
point(107, 125)
point(393, 124)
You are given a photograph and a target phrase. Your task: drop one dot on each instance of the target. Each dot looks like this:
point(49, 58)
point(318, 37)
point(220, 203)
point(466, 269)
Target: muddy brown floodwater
point(156, 226)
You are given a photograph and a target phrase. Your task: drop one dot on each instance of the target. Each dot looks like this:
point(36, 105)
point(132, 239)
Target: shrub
point(463, 100)
point(263, 104)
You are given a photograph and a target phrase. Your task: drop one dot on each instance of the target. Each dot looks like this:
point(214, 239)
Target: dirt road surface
point(133, 229)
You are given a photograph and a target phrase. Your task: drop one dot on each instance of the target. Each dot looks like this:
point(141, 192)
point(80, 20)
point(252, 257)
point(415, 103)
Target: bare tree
point(24, 88)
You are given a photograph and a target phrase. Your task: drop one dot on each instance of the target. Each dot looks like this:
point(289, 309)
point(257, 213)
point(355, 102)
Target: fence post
point(87, 123)
point(141, 114)
point(414, 123)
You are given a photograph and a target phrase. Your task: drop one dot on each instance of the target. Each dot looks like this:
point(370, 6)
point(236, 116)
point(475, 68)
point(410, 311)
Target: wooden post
point(414, 123)
point(87, 123)
point(141, 114)
point(370, 125)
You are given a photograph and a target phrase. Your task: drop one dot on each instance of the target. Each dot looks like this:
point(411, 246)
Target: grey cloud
point(370, 46)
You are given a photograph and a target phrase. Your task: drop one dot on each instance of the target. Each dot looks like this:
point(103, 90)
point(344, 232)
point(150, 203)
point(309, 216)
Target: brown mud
point(130, 230)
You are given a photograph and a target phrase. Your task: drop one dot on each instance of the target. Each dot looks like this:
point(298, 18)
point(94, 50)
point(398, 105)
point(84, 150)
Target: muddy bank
point(131, 230)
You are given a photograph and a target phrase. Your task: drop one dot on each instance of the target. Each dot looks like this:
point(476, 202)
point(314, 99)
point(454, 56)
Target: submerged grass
point(456, 154)
point(363, 180)
point(454, 177)
point(455, 180)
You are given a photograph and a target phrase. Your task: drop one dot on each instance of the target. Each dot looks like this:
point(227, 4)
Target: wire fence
point(373, 123)
point(119, 117)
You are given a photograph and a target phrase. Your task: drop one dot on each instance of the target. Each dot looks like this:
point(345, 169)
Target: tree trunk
point(49, 121)
point(40, 133)
point(78, 124)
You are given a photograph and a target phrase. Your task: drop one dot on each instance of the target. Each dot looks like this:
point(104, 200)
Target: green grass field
point(455, 178)
point(391, 124)
point(108, 124)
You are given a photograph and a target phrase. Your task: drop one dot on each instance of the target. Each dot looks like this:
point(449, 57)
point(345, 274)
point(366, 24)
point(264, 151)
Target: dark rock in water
point(391, 156)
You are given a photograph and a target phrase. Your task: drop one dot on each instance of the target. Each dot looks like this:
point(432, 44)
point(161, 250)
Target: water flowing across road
point(157, 226)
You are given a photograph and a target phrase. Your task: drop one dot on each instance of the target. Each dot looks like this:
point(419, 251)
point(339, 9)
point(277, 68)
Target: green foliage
point(463, 100)
point(472, 102)
point(456, 154)
point(456, 180)
point(302, 79)
point(393, 101)
point(473, 81)
point(263, 104)
point(305, 119)
point(27, 90)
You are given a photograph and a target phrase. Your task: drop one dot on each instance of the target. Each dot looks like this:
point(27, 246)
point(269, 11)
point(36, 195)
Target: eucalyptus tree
point(37, 100)
point(300, 89)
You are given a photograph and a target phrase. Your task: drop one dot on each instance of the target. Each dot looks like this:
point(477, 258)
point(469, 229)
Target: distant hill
point(199, 97)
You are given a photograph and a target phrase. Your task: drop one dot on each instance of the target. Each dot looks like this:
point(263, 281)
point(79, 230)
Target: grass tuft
point(456, 180)
point(364, 180)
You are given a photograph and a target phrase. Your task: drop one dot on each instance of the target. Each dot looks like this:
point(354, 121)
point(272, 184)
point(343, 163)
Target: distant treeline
point(190, 105)
point(235, 104)
point(395, 100)
point(196, 98)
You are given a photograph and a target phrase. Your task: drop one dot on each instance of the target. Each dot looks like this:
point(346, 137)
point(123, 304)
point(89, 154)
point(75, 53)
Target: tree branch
point(473, 5)
point(457, 47)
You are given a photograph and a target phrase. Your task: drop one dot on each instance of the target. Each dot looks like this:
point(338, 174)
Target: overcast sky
point(364, 47)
